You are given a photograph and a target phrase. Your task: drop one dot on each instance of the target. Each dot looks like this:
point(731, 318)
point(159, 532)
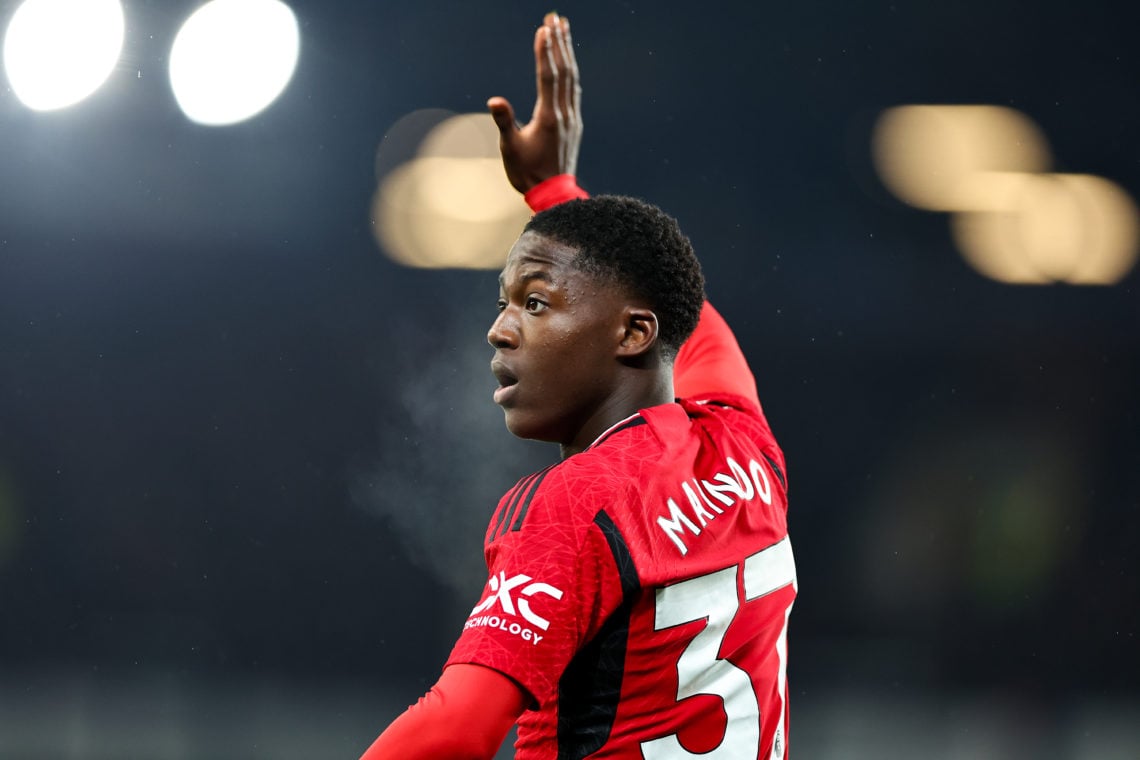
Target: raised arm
point(547, 146)
point(541, 159)
point(711, 363)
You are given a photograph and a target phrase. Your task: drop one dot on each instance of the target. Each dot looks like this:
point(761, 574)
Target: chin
point(528, 428)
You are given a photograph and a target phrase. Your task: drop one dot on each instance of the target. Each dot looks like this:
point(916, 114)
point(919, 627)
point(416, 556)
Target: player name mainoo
point(707, 499)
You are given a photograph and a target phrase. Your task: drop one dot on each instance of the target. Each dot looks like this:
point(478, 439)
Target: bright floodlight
point(57, 52)
point(232, 58)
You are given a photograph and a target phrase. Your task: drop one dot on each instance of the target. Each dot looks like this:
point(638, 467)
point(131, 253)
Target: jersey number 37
point(700, 670)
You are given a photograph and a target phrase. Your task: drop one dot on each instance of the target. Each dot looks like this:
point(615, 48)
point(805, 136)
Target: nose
point(504, 331)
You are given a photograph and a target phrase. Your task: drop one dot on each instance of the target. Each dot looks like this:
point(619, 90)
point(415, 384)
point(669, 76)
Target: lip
point(508, 382)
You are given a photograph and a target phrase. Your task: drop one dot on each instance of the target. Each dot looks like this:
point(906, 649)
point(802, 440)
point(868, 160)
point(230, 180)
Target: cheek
point(571, 354)
point(585, 337)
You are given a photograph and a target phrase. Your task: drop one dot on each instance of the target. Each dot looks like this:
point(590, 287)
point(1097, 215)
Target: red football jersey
point(640, 590)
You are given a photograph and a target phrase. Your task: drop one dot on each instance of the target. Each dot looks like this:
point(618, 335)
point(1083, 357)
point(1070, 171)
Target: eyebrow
point(535, 274)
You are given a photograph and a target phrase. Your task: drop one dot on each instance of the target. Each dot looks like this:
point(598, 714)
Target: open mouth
point(507, 381)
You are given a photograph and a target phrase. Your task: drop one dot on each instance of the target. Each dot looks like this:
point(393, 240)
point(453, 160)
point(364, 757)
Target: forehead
point(535, 255)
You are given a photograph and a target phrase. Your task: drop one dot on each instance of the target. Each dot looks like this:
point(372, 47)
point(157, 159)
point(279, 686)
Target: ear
point(638, 332)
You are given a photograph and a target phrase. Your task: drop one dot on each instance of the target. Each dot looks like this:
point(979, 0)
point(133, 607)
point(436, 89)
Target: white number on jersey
point(713, 597)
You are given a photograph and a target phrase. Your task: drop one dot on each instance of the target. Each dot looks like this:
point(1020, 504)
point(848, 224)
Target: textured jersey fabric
point(639, 590)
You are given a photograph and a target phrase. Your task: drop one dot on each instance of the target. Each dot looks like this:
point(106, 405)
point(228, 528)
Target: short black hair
point(636, 245)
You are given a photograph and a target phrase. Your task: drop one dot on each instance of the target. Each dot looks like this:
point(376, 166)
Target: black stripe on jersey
point(638, 420)
point(627, 571)
point(509, 507)
point(590, 687)
point(531, 491)
point(776, 469)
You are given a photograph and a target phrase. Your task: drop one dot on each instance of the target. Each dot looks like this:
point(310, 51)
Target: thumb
point(503, 115)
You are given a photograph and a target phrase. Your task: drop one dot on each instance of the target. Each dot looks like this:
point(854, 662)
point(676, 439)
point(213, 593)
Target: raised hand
point(548, 144)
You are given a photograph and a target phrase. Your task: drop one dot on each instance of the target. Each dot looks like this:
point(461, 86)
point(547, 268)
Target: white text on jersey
point(708, 499)
point(501, 587)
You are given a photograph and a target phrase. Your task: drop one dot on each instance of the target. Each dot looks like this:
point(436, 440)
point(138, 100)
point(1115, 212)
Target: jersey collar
point(631, 421)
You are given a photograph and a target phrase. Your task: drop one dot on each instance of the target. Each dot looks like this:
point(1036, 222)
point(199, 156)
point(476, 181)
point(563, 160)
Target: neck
point(644, 390)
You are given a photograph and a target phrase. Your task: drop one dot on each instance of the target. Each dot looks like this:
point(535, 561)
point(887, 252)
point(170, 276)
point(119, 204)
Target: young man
point(639, 590)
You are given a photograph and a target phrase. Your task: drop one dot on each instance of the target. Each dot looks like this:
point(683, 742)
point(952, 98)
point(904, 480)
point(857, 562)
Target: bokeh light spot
point(57, 52)
point(1013, 221)
point(449, 205)
point(466, 135)
point(233, 58)
point(1112, 231)
point(1046, 228)
point(927, 155)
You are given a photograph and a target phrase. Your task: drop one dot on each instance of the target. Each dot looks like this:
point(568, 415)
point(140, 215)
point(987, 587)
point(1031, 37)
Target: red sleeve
point(466, 714)
point(551, 584)
point(550, 192)
point(711, 361)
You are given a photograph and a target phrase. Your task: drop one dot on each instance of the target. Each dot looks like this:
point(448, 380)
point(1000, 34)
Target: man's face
point(555, 340)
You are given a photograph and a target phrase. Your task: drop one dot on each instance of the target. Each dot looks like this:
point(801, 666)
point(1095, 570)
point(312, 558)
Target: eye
point(501, 304)
point(534, 305)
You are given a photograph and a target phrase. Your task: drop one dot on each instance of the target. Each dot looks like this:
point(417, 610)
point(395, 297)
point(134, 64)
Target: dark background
point(237, 443)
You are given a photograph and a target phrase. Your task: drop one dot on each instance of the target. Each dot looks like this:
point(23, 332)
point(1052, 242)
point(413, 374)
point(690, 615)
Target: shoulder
point(720, 401)
point(582, 485)
point(739, 414)
point(574, 490)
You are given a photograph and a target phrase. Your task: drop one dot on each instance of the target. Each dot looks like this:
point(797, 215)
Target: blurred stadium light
point(1013, 222)
point(450, 205)
point(927, 155)
point(58, 52)
point(1072, 228)
point(233, 58)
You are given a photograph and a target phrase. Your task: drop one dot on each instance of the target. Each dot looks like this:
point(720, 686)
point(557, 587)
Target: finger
point(503, 115)
point(569, 91)
point(575, 87)
point(544, 72)
point(557, 70)
point(567, 73)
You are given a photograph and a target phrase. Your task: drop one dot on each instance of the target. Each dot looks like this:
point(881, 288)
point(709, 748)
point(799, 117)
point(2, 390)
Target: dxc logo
point(501, 588)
